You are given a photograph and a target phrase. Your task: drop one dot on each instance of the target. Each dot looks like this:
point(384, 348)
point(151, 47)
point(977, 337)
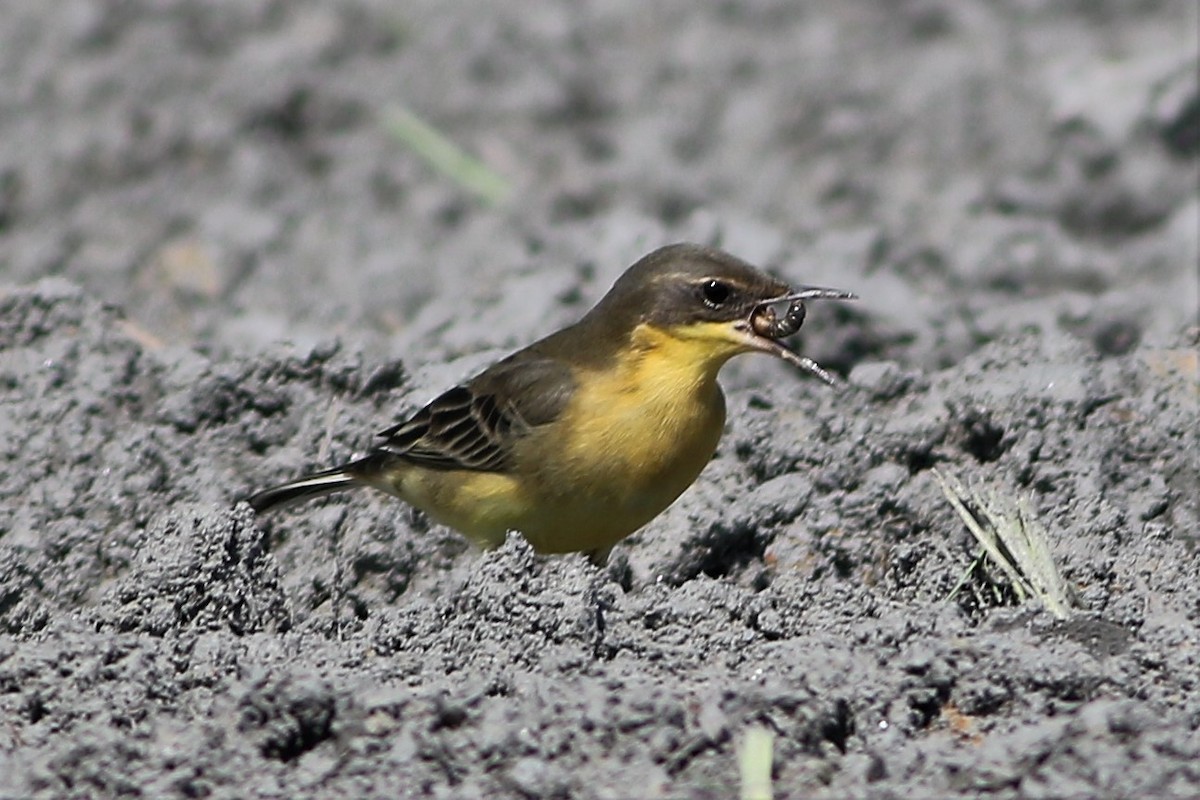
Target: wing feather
point(475, 425)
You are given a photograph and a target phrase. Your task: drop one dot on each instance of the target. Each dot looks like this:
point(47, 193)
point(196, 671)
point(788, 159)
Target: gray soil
point(220, 267)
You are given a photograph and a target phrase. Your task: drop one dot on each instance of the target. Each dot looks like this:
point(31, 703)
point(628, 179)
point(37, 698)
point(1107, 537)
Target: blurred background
point(242, 172)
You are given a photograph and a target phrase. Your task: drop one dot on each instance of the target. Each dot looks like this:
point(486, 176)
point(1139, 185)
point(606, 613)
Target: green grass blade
point(1013, 540)
point(754, 763)
point(444, 156)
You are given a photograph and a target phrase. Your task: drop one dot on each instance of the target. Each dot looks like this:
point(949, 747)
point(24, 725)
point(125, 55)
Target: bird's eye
point(715, 293)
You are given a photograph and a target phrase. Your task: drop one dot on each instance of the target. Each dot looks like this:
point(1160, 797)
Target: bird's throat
point(677, 361)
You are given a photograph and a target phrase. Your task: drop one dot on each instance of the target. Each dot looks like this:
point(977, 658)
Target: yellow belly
point(620, 469)
point(631, 440)
point(617, 470)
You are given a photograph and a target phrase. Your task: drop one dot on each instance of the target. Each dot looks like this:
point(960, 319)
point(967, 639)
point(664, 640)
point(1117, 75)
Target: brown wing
point(475, 425)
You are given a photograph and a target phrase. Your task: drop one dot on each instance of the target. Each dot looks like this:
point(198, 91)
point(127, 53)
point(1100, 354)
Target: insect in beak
point(766, 328)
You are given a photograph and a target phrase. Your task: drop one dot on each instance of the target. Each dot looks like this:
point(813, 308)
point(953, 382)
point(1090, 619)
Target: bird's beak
point(763, 330)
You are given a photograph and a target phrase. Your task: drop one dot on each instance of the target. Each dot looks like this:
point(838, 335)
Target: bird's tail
point(315, 485)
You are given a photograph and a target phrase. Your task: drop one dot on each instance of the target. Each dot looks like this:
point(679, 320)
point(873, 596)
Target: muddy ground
point(221, 266)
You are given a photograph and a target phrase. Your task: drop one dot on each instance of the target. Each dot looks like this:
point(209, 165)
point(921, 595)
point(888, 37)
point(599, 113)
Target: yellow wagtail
point(585, 436)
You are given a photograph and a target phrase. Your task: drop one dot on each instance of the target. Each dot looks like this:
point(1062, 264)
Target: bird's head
point(715, 304)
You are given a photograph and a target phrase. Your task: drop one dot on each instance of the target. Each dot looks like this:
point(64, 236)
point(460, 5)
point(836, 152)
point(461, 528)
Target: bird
point(583, 437)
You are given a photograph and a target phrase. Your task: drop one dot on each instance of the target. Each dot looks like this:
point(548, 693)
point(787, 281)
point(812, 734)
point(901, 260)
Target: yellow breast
point(633, 437)
point(632, 440)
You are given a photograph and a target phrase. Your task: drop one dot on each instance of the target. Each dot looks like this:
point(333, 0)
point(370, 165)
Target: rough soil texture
point(220, 268)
